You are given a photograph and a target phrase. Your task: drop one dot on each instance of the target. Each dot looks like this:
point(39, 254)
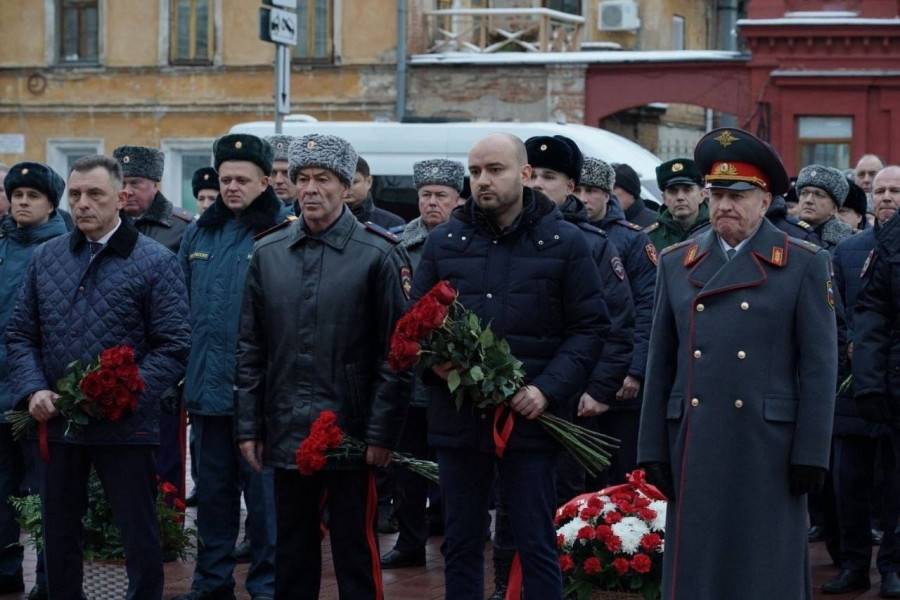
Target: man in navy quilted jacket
point(100, 286)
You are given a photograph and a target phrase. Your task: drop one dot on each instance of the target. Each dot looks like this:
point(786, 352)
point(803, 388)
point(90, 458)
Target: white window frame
point(58, 150)
point(173, 148)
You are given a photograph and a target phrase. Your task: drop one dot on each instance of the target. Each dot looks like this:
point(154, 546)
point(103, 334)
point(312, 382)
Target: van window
point(396, 194)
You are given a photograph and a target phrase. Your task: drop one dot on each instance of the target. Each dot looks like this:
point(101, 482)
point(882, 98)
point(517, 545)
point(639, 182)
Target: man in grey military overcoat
point(736, 422)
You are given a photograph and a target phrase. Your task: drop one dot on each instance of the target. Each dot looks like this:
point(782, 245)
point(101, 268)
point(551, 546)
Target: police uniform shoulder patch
point(406, 280)
point(650, 249)
point(590, 228)
point(651, 227)
point(630, 225)
point(867, 264)
point(381, 232)
point(617, 267)
point(829, 294)
point(290, 219)
point(184, 215)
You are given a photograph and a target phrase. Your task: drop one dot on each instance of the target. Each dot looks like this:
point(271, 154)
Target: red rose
point(621, 565)
point(431, 314)
point(585, 533)
point(613, 543)
point(589, 512)
point(443, 292)
point(107, 377)
point(651, 541)
point(403, 354)
point(566, 563)
point(592, 566)
point(641, 563)
point(179, 505)
point(91, 386)
point(116, 357)
point(168, 489)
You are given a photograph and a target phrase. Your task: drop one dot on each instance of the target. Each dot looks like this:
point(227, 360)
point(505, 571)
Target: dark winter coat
point(215, 255)
point(640, 258)
point(413, 237)
point(535, 282)
point(164, 222)
point(315, 330)
point(667, 231)
point(73, 308)
point(876, 322)
point(16, 247)
point(366, 211)
point(639, 214)
point(740, 385)
point(613, 365)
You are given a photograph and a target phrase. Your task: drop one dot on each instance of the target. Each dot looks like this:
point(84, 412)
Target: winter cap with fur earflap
point(598, 174)
point(439, 171)
point(326, 152)
point(829, 179)
point(557, 153)
point(37, 176)
point(140, 161)
point(280, 145)
point(245, 147)
point(205, 178)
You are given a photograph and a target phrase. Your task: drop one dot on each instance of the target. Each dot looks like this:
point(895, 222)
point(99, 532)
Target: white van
point(391, 148)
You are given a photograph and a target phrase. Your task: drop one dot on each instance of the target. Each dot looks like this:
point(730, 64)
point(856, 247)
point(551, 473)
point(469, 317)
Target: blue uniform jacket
point(215, 254)
point(73, 308)
point(16, 247)
point(538, 287)
point(639, 256)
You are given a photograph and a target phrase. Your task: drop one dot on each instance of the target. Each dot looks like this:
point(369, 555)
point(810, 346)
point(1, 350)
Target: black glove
point(873, 408)
point(659, 475)
point(806, 479)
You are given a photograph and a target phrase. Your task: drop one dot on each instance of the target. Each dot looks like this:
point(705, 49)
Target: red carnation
point(443, 292)
point(641, 502)
point(651, 541)
point(641, 563)
point(621, 565)
point(613, 543)
point(566, 563)
point(568, 511)
point(592, 566)
point(613, 517)
point(589, 512)
point(585, 533)
point(560, 541)
point(647, 514)
point(603, 532)
point(595, 502)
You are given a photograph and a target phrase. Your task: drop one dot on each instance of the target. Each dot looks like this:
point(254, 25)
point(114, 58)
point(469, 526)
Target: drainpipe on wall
point(401, 59)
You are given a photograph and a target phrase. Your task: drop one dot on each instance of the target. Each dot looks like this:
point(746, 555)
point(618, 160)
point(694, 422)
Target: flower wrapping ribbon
point(42, 441)
point(501, 435)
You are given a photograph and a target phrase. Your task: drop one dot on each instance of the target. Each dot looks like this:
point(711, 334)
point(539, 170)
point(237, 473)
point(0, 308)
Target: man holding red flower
point(320, 301)
point(101, 286)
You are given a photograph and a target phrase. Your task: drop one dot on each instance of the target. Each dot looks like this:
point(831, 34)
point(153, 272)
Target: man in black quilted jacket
point(101, 286)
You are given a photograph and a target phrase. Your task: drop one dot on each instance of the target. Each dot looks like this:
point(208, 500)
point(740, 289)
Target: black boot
point(502, 563)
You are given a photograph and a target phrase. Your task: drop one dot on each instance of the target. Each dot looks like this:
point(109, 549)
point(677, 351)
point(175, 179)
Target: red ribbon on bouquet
point(501, 435)
point(42, 441)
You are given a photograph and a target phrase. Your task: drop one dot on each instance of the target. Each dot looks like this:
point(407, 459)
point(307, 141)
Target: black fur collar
point(259, 216)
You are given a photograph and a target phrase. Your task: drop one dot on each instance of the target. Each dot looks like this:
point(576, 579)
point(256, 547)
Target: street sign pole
point(279, 26)
point(282, 84)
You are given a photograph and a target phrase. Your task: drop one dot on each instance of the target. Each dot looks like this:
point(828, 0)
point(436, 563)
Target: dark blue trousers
point(353, 508)
point(527, 484)
point(12, 474)
point(854, 474)
point(411, 491)
point(171, 451)
point(220, 468)
point(128, 475)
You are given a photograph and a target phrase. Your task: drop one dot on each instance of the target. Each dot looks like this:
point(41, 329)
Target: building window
point(677, 33)
point(825, 141)
point(79, 31)
point(191, 33)
point(314, 36)
point(183, 157)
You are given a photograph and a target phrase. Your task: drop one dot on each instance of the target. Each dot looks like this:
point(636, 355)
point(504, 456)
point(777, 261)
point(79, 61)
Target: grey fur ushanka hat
point(598, 174)
point(140, 161)
point(324, 151)
point(439, 171)
point(280, 145)
point(827, 178)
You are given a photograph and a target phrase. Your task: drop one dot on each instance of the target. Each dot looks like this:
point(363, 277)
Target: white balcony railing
point(488, 30)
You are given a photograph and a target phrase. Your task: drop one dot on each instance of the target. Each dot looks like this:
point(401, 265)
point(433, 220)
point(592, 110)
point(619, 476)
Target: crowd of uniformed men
point(277, 301)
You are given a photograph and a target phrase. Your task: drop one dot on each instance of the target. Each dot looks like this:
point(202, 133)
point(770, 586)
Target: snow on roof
point(820, 18)
point(506, 58)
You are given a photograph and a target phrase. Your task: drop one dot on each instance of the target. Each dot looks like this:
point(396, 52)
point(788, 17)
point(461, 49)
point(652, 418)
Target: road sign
point(278, 26)
point(283, 80)
point(289, 4)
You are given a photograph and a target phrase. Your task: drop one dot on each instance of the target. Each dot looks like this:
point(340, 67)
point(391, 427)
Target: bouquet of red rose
point(107, 389)
point(438, 329)
point(613, 539)
point(327, 441)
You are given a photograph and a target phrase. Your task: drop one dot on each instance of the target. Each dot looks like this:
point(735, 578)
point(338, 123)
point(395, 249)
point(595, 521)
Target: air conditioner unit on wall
point(618, 15)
